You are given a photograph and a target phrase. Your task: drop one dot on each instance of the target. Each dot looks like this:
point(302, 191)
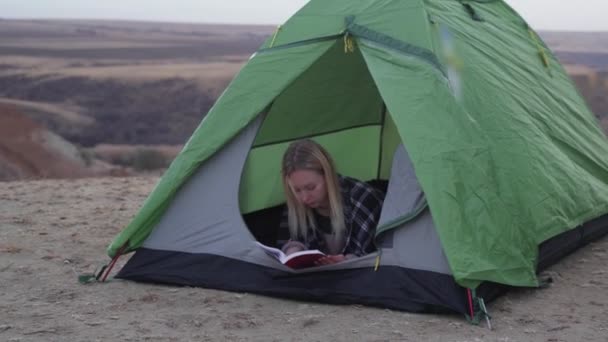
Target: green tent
point(503, 148)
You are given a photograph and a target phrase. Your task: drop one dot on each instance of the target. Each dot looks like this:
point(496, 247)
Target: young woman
point(326, 211)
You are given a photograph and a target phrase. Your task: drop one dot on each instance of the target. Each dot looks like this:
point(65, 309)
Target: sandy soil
point(52, 230)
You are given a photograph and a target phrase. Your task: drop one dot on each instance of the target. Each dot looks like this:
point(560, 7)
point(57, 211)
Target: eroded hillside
point(162, 111)
point(29, 150)
point(132, 84)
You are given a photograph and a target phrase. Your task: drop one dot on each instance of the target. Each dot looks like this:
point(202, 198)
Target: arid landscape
point(127, 95)
point(125, 87)
point(91, 112)
point(54, 230)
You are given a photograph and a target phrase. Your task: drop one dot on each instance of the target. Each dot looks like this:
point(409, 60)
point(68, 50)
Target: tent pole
point(114, 259)
point(380, 147)
point(471, 312)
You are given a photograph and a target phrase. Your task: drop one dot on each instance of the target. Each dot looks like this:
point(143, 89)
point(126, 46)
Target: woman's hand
point(293, 249)
point(330, 259)
point(293, 246)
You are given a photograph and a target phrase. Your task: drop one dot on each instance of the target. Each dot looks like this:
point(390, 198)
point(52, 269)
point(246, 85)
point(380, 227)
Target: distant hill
point(132, 82)
point(123, 112)
point(583, 42)
point(116, 82)
point(29, 150)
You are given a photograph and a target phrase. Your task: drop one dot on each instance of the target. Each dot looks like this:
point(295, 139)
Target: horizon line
point(224, 23)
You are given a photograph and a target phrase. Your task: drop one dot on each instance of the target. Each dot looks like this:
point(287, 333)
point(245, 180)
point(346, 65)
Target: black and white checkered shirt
point(362, 206)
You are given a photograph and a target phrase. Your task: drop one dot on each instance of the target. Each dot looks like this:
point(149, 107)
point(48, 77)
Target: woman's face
point(309, 188)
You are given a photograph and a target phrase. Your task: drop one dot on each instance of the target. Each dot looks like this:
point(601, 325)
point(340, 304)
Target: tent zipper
point(301, 43)
point(402, 219)
point(381, 39)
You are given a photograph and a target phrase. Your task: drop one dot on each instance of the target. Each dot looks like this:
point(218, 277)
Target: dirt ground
point(53, 230)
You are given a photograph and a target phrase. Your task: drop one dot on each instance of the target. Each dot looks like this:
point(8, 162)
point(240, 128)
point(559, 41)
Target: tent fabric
point(504, 148)
point(206, 209)
point(404, 197)
point(204, 216)
point(390, 287)
point(412, 242)
point(232, 111)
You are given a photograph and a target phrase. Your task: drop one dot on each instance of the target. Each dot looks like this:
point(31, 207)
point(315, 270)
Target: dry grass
point(72, 115)
point(207, 55)
point(10, 249)
point(576, 41)
point(207, 73)
point(125, 40)
point(575, 69)
point(109, 151)
point(141, 157)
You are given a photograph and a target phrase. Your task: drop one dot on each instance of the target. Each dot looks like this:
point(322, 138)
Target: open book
point(301, 259)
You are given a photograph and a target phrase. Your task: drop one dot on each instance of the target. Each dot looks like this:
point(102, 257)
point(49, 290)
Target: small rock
point(309, 322)
point(561, 327)
point(94, 324)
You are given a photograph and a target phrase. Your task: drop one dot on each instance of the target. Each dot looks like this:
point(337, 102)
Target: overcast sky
point(583, 15)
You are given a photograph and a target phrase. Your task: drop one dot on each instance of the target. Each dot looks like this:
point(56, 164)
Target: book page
point(275, 252)
point(300, 259)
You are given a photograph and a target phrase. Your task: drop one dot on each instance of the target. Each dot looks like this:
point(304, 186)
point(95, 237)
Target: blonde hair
point(308, 155)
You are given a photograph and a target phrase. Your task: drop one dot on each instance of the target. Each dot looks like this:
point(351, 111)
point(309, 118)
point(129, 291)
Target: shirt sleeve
point(366, 205)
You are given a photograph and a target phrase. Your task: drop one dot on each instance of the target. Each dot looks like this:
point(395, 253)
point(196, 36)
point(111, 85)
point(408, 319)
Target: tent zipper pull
point(377, 264)
point(541, 51)
point(349, 45)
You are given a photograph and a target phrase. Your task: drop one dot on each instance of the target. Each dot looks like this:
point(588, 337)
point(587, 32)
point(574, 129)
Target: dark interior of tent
point(264, 224)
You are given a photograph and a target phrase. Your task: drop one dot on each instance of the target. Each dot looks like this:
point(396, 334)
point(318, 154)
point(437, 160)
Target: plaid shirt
point(362, 206)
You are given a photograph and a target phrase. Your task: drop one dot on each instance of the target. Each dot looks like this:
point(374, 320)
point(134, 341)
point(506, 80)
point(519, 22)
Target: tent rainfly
point(494, 167)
